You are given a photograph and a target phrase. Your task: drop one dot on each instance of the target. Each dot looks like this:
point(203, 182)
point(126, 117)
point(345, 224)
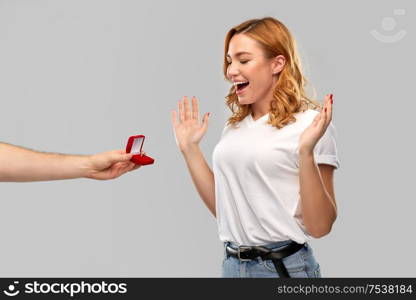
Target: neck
point(262, 107)
point(257, 112)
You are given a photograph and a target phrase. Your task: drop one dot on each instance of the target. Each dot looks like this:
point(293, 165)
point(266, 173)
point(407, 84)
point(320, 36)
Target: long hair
point(289, 95)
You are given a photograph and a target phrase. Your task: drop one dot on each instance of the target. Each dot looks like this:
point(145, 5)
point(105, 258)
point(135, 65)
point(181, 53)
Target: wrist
point(86, 166)
point(190, 150)
point(306, 151)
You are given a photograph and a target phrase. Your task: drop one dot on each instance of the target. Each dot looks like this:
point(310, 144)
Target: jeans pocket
point(294, 271)
point(295, 265)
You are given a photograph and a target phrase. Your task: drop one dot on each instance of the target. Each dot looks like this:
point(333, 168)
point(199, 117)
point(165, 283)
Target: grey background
point(82, 76)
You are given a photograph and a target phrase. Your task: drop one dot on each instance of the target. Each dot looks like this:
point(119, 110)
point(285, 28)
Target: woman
point(271, 188)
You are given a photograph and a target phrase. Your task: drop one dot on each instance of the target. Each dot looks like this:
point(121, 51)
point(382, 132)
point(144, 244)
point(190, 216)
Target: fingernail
point(325, 109)
point(332, 101)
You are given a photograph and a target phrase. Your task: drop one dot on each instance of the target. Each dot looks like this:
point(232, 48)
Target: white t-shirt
point(256, 170)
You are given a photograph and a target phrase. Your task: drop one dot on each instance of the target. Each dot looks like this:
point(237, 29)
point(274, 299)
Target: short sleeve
point(325, 151)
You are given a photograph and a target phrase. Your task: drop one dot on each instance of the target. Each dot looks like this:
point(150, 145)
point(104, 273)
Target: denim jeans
point(301, 264)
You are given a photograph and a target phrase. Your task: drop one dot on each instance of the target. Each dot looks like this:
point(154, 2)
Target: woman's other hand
point(316, 130)
point(188, 130)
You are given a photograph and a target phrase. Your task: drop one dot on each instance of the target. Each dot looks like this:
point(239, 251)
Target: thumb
point(120, 156)
point(205, 122)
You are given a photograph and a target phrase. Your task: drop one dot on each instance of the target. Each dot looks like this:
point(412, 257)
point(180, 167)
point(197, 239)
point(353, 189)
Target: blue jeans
point(301, 264)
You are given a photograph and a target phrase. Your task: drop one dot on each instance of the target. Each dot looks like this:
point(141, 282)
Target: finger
point(131, 167)
point(327, 99)
point(123, 168)
point(118, 156)
point(136, 167)
point(195, 108)
point(174, 118)
point(181, 112)
point(116, 152)
point(327, 110)
point(109, 173)
point(330, 108)
point(125, 156)
point(120, 165)
point(205, 122)
point(187, 109)
point(121, 151)
point(316, 120)
point(324, 116)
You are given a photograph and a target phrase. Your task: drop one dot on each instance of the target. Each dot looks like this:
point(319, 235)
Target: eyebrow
point(239, 54)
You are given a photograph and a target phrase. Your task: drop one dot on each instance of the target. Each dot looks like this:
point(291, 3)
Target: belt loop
point(280, 268)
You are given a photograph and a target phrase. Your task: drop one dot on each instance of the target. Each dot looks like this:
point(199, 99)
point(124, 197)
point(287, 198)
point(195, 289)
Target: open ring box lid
point(135, 145)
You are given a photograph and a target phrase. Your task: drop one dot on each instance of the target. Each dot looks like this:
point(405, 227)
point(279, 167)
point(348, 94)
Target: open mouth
point(240, 86)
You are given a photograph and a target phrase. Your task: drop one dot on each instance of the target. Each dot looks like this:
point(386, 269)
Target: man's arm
point(21, 164)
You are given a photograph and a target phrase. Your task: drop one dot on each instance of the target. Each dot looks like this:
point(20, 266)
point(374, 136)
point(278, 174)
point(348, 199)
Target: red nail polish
point(332, 101)
point(325, 109)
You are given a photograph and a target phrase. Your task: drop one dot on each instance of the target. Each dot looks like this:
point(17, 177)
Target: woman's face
point(250, 71)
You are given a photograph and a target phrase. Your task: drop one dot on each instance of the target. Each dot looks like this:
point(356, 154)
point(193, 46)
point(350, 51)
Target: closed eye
point(241, 62)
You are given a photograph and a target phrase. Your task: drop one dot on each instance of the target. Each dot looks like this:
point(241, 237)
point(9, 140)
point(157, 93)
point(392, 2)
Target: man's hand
point(109, 165)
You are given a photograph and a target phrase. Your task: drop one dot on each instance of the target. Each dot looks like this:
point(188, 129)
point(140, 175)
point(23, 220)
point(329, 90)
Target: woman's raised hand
point(189, 130)
point(310, 137)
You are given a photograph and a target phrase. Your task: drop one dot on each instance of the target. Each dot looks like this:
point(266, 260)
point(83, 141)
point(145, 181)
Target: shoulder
point(306, 116)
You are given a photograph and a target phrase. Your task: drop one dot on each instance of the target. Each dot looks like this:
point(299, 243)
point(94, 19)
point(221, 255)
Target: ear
point(278, 63)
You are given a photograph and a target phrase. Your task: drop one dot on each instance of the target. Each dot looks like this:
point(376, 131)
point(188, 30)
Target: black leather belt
point(248, 253)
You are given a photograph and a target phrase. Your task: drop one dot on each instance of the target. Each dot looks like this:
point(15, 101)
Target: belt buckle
point(242, 249)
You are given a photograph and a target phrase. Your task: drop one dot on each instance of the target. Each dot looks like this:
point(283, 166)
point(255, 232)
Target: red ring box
point(135, 145)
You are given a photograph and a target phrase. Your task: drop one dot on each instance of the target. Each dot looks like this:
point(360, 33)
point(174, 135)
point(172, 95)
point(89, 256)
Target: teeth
point(239, 82)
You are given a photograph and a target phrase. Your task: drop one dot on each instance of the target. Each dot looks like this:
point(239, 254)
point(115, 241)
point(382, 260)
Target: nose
point(232, 71)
